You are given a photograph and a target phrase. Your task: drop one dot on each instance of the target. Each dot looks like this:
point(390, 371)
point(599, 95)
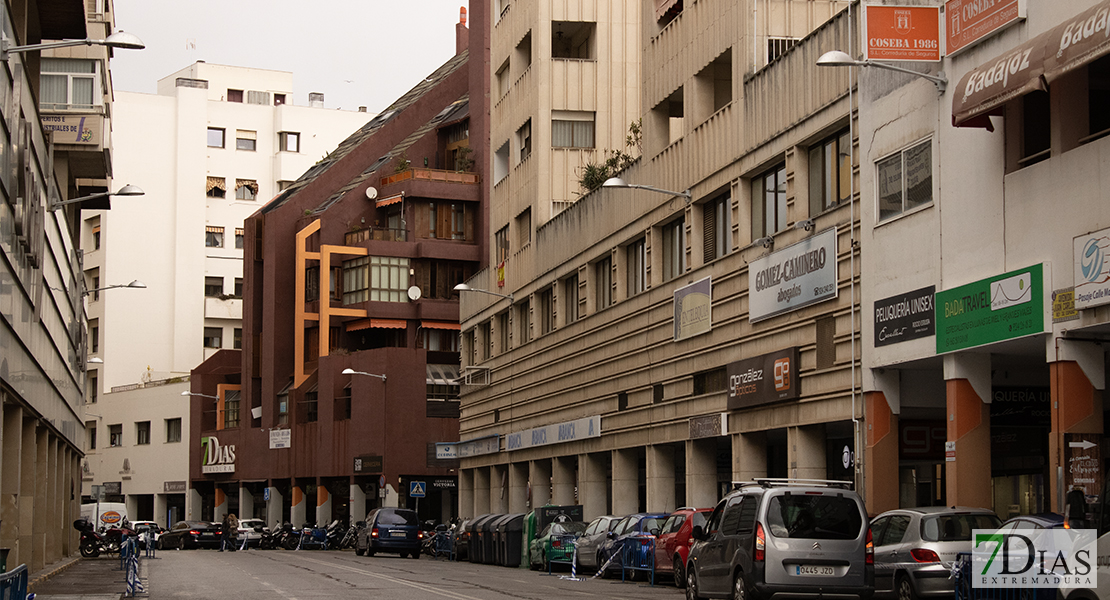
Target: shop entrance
point(1020, 418)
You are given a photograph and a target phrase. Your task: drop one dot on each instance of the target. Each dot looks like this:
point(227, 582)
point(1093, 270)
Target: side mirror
point(655, 532)
point(698, 533)
point(611, 535)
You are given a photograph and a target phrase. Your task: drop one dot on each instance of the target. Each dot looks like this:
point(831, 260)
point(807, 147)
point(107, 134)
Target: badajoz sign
point(1034, 558)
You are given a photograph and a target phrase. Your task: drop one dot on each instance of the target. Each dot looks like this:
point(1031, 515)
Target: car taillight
point(869, 549)
point(924, 555)
point(420, 535)
point(760, 543)
point(194, 532)
point(556, 543)
point(374, 532)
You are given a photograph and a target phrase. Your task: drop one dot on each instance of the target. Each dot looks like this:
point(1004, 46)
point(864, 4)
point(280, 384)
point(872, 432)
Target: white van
point(105, 514)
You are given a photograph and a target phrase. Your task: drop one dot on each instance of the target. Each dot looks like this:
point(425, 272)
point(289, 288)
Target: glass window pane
point(844, 167)
point(53, 89)
point(82, 91)
point(890, 186)
point(919, 175)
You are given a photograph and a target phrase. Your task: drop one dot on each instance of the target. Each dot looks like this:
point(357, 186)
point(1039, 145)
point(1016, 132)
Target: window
point(115, 435)
point(93, 389)
point(547, 312)
point(283, 408)
point(777, 46)
point(142, 433)
point(279, 99)
point(234, 95)
point(214, 237)
point(216, 137)
point(238, 238)
point(769, 202)
point(68, 83)
point(1036, 128)
point(213, 287)
point(1098, 96)
point(94, 335)
point(715, 228)
point(246, 189)
point(830, 173)
point(524, 227)
point(94, 225)
point(572, 39)
point(572, 129)
point(238, 287)
point(482, 338)
point(524, 140)
point(603, 277)
point(90, 428)
point(173, 430)
point(503, 79)
point(237, 339)
point(905, 180)
point(311, 406)
point(524, 319)
point(674, 249)
point(501, 162)
point(637, 267)
point(213, 337)
point(254, 97)
point(216, 187)
point(446, 221)
point(290, 141)
point(375, 278)
point(92, 277)
point(522, 56)
point(231, 408)
point(503, 331)
point(570, 298)
point(246, 140)
point(501, 245)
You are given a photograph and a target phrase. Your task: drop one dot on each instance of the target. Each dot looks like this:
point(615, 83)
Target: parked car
point(143, 528)
point(192, 534)
point(555, 542)
point(1037, 521)
point(636, 532)
point(673, 545)
point(590, 541)
point(394, 530)
point(461, 539)
point(777, 536)
point(915, 548)
point(251, 530)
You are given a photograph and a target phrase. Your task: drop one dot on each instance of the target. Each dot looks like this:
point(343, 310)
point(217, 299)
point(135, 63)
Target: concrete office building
point(210, 147)
point(649, 346)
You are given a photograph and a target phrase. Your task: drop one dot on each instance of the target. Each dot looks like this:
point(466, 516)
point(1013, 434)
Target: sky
point(356, 52)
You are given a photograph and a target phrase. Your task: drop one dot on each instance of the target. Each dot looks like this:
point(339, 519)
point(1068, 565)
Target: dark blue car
point(394, 530)
point(633, 539)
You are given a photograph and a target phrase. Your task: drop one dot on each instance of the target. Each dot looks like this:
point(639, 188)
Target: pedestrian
point(230, 532)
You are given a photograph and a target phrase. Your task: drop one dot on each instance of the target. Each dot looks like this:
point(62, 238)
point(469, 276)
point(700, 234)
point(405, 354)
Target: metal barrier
point(444, 545)
point(129, 557)
point(962, 574)
point(13, 584)
point(563, 542)
point(638, 554)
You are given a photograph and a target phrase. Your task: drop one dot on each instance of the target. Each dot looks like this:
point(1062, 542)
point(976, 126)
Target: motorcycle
point(93, 543)
point(270, 539)
point(283, 536)
point(307, 537)
point(350, 538)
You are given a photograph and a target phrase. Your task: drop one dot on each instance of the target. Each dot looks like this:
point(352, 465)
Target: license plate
point(812, 570)
point(399, 534)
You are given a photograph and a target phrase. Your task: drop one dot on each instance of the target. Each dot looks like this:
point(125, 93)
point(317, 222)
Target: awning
point(662, 6)
point(443, 374)
point(390, 200)
point(1031, 66)
point(440, 325)
point(378, 323)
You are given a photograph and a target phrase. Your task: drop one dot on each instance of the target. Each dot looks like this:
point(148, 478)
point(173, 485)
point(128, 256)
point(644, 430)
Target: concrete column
point(390, 496)
point(539, 476)
point(193, 505)
point(10, 468)
point(969, 427)
point(323, 505)
point(161, 507)
point(499, 489)
point(246, 503)
point(72, 504)
point(660, 478)
point(880, 454)
point(481, 491)
point(35, 496)
point(1076, 408)
point(53, 499)
point(466, 493)
point(358, 503)
point(274, 506)
point(298, 511)
point(220, 507)
point(592, 489)
point(805, 452)
point(626, 482)
point(563, 480)
point(518, 487)
point(749, 455)
point(701, 473)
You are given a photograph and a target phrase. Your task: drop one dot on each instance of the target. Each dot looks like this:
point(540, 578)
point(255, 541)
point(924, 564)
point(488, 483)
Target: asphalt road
point(306, 574)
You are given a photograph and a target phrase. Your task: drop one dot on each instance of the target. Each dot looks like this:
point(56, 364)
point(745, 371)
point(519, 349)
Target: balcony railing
point(431, 175)
point(383, 234)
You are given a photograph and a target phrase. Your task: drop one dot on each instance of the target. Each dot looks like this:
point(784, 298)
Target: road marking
point(412, 584)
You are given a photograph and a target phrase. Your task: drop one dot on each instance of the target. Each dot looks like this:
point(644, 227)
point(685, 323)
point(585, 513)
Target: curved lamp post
point(134, 284)
point(354, 372)
point(127, 190)
point(119, 39)
point(617, 182)
point(462, 287)
point(837, 58)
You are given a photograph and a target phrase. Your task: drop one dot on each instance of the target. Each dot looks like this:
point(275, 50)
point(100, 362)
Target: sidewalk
point(79, 578)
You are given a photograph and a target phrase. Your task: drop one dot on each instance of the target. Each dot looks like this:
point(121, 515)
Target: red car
point(673, 545)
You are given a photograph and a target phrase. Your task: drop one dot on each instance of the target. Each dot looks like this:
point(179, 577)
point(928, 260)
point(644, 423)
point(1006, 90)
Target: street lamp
point(134, 284)
point(119, 39)
point(200, 394)
point(617, 182)
point(96, 360)
point(354, 372)
point(127, 190)
point(462, 287)
point(837, 58)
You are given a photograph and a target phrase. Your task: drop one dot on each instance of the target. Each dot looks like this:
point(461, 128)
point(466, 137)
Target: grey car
point(915, 548)
point(777, 538)
point(589, 543)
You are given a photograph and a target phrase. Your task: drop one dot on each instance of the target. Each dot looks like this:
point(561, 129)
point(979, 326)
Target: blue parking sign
point(416, 489)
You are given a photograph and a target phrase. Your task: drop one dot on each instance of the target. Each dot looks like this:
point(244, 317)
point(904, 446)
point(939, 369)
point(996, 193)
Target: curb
point(42, 576)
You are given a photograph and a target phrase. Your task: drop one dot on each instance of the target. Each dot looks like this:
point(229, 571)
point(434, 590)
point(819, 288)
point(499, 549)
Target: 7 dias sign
point(215, 458)
point(1034, 558)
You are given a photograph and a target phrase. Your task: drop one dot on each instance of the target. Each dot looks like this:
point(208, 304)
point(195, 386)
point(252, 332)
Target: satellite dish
point(371, 193)
point(414, 293)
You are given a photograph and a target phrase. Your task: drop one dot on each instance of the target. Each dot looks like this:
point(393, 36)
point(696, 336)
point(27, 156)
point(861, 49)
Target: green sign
point(991, 310)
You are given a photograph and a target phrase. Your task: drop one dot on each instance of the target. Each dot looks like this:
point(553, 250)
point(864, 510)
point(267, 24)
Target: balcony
point(433, 184)
point(381, 234)
point(216, 307)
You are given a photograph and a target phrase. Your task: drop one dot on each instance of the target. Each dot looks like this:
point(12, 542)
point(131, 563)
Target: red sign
point(972, 20)
point(902, 33)
point(921, 440)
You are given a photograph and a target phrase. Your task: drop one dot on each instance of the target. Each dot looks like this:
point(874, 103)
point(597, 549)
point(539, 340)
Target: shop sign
point(1018, 406)
point(921, 440)
point(281, 438)
point(113, 488)
point(1084, 468)
point(476, 447)
point(902, 33)
point(798, 275)
point(969, 21)
point(693, 309)
point(998, 308)
point(570, 431)
point(1063, 305)
point(443, 483)
point(905, 317)
point(173, 487)
point(216, 458)
point(950, 451)
point(709, 426)
point(1092, 269)
point(763, 379)
point(74, 129)
point(369, 463)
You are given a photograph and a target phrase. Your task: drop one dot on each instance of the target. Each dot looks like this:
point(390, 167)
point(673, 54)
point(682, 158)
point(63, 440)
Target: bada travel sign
point(1003, 307)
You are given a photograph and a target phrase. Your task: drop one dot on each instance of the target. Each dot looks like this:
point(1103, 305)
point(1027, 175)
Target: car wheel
point(691, 585)
point(679, 573)
point(905, 588)
point(739, 587)
point(159, 545)
point(415, 554)
point(359, 551)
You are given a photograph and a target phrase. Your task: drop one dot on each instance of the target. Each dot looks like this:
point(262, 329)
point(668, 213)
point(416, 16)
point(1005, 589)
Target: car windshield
point(651, 523)
point(400, 517)
point(956, 527)
point(819, 517)
point(569, 528)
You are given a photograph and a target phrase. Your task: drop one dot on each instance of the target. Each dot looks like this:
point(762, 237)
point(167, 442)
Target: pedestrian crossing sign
point(416, 489)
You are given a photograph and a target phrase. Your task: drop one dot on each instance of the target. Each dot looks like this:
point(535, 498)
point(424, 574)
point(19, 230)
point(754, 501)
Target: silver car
point(915, 548)
point(590, 542)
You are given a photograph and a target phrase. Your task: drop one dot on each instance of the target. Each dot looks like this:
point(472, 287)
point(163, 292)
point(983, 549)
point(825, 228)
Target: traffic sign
point(416, 489)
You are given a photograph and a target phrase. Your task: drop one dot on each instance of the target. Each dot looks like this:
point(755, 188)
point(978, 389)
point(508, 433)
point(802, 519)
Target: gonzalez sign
point(763, 379)
point(796, 276)
point(991, 310)
point(902, 33)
